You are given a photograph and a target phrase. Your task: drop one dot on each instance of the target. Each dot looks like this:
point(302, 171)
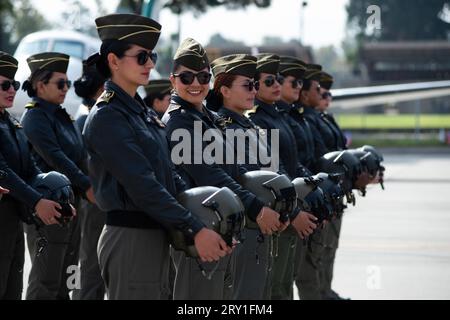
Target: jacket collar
point(235, 117)
point(47, 106)
point(135, 104)
point(270, 109)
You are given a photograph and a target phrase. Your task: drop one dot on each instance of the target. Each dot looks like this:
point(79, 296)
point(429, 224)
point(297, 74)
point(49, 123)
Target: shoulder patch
point(106, 96)
point(31, 105)
point(223, 122)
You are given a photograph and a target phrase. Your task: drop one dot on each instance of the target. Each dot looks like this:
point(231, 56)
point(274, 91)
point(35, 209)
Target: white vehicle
point(77, 45)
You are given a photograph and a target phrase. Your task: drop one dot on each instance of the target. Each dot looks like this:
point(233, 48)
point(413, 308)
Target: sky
point(323, 21)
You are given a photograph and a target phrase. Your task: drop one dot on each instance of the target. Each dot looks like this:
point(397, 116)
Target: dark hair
point(175, 67)
point(30, 85)
point(117, 47)
point(150, 99)
point(88, 85)
point(214, 100)
point(307, 84)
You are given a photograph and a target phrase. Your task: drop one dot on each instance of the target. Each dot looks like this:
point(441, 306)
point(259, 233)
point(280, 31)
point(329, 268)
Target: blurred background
point(360, 42)
point(391, 64)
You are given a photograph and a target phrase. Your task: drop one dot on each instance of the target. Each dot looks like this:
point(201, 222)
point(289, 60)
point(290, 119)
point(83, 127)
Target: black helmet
point(275, 190)
point(379, 159)
point(56, 186)
point(369, 162)
point(331, 185)
point(219, 209)
point(342, 162)
point(374, 151)
point(311, 198)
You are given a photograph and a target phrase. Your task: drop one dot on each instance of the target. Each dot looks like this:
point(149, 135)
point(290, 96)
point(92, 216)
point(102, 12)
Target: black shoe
point(334, 296)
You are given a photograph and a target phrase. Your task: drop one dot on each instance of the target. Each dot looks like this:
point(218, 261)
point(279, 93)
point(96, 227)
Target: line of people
point(126, 186)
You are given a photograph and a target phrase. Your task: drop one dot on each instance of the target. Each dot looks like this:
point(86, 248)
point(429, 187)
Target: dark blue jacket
point(130, 166)
point(270, 117)
point(56, 142)
point(17, 163)
point(233, 121)
point(183, 115)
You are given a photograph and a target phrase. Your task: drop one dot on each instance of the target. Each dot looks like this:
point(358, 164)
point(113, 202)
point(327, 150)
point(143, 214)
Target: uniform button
point(190, 230)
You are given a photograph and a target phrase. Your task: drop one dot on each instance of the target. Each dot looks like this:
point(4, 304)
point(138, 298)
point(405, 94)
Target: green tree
point(400, 19)
point(272, 41)
point(179, 6)
point(6, 9)
point(218, 41)
point(23, 20)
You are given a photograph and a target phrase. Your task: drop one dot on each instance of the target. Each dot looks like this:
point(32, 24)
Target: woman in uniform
point(268, 115)
point(190, 79)
point(131, 169)
point(57, 146)
point(17, 170)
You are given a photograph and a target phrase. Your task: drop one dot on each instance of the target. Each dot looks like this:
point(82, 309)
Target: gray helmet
point(311, 198)
point(379, 159)
point(218, 208)
point(331, 185)
point(57, 187)
point(342, 162)
point(275, 190)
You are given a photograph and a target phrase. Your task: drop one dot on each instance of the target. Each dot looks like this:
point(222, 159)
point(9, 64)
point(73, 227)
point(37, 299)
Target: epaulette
point(30, 105)
point(106, 96)
point(173, 107)
point(251, 111)
point(16, 123)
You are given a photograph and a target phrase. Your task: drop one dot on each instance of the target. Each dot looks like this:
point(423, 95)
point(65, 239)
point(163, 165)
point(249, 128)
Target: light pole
point(303, 5)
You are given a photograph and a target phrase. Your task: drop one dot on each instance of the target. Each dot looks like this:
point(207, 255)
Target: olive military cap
point(237, 64)
point(161, 86)
point(313, 72)
point(49, 61)
point(291, 66)
point(130, 28)
point(326, 80)
point(8, 65)
point(192, 55)
point(268, 63)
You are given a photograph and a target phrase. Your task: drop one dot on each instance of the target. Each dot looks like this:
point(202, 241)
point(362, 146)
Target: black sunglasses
point(142, 57)
point(7, 84)
point(60, 84)
point(270, 80)
point(295, 83)
point(187, 77)
point(251, 85)
point(327, 95)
